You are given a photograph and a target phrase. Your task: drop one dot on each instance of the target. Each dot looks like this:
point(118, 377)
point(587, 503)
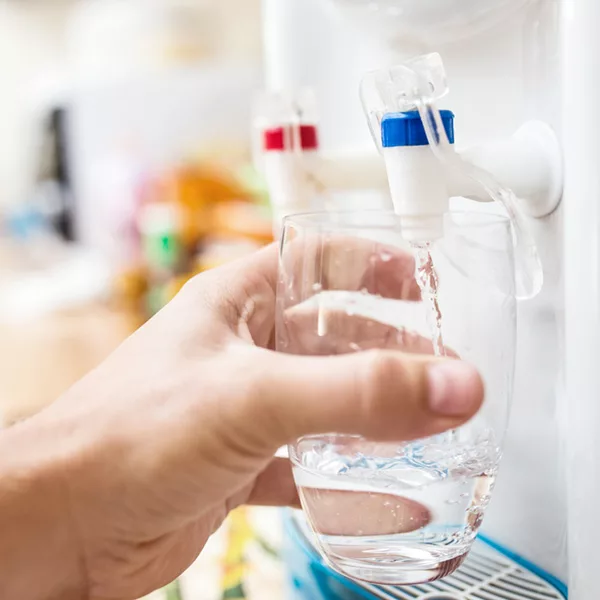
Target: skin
point(113, 491)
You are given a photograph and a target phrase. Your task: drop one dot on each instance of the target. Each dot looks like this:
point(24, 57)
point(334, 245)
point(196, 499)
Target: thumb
point(382, 395)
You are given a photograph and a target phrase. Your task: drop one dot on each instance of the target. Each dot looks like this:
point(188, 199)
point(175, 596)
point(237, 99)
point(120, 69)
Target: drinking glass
point(404, 512)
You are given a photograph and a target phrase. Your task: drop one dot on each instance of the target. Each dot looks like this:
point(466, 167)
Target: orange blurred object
point(215, 219)
point(129, 288)
point(196, 190)
point(243, 220)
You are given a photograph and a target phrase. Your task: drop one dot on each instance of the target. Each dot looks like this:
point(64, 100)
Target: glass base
point(384, 569)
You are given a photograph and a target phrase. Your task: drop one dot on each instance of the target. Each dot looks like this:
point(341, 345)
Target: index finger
point(314, 263)
point(306, 266)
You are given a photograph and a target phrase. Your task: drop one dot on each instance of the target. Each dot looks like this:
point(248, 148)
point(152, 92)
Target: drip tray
point(487, 574)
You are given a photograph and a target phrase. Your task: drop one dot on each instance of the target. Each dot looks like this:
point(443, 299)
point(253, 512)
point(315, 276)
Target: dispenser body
point(503, 64)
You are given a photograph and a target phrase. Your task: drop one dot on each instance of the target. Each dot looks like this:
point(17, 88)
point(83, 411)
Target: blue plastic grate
point(486, 574)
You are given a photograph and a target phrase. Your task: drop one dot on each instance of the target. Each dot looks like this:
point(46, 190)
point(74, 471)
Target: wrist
point(39, 550)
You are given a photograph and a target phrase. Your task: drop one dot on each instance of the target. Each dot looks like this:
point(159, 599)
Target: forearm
point(38, 549)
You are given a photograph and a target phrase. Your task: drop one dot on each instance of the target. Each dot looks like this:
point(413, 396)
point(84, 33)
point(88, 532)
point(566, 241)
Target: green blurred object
point(236, 593)
point(163, 250)
point(156, 299)
point(173, 591)
point(255, 183)
point(160, 230)
point(267, 548)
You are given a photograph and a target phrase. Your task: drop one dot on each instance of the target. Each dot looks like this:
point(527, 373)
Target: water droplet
point(385, 257)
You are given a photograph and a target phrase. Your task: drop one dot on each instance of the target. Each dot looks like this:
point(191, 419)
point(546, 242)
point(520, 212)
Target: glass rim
point(389, 220)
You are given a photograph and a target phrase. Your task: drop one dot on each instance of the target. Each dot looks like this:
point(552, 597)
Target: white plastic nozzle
point(529, 163)
point(420, 190)
point(285, 149)
point(417, 179)
point(418, 185)
point(287, 112)
point(401, 88)
point(288, 182)
point(419, 193)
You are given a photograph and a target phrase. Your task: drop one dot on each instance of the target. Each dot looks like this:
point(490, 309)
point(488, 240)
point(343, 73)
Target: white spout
point(286, 147)
point(529, 163)
point(419, 191)
point(416, 178)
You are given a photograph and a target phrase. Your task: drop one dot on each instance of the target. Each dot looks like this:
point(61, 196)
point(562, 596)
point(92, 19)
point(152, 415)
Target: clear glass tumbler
point(405, 512)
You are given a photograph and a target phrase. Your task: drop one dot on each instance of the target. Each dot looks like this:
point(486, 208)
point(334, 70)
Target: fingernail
point(455, 388)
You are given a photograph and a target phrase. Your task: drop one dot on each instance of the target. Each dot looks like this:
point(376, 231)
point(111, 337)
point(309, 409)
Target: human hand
point(141, 461)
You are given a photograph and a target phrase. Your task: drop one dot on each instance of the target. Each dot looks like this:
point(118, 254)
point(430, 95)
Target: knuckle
point(392, 392)
point(381, 376)
point(195, 290)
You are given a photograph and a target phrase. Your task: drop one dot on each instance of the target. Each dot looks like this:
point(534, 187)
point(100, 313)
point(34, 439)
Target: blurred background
point(125, 168)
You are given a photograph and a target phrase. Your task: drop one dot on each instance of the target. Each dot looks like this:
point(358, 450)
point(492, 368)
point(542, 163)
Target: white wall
point(31, 45)
point(33, 63)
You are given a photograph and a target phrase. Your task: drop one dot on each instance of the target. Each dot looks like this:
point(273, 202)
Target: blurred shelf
point(43, 357)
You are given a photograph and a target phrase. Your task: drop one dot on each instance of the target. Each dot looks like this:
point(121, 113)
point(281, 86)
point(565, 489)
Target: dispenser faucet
point(523, 173)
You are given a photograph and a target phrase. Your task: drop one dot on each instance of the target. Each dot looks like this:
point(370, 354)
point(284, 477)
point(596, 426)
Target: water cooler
point(508, 62)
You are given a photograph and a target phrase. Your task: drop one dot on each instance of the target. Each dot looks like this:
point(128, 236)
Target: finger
point(336, 512)
point(335, 263)
point(317, 263)
point(275, 486)
point(248, 286)
point(382, 395)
